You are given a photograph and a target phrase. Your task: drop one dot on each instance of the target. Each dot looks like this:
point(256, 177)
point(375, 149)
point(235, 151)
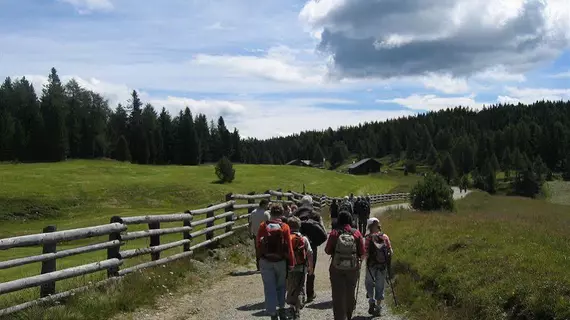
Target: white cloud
point(87, 6)
point(445, 83)
point(499, 74)
point(433, 102)
point(531, 95)
point(292, 116)
point(458, 37)
point(561, 75)
point(280, 64)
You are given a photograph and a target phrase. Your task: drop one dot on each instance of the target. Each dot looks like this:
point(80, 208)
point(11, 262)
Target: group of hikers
point(287, 239)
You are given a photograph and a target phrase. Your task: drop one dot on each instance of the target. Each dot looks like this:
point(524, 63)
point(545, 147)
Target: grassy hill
point(84, 193)
point(80, 193)
point(495, 258)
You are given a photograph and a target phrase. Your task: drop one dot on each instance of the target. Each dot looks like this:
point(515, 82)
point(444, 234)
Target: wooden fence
point(227, 218)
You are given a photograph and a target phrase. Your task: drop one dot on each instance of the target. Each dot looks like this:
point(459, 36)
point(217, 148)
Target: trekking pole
point(388, 276)
point(357, 288)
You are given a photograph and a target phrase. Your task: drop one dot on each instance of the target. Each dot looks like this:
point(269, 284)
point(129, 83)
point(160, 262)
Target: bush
point(225, 170)
point(433, 193)
point(527, 184)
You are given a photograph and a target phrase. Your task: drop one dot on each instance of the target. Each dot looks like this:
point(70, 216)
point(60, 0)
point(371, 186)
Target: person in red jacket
point(275, 252)
point(345, 245)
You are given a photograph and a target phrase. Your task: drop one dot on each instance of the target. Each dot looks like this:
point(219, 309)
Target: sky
point(276, 67)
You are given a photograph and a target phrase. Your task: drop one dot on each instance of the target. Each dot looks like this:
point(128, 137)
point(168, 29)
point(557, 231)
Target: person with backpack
point(359, 213)
point(346, 205)
point(275, 256)
point(313, 228)
point(334, 213)
point(363, 215)
point(257, 216)
point(303, 266)
point(378, 254)
point(346, 248)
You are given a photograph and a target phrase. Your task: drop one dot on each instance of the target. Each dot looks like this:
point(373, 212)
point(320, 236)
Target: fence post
point(48, 266)
point(210, 234)
point(304, 192)
point(114, 252)
point(279, 197)
point(154, 240)
point(228, 209)
point(186, 234)
point(251, 201)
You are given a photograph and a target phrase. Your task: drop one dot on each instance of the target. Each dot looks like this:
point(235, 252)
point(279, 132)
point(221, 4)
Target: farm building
point(297, 162)
point(365, 166)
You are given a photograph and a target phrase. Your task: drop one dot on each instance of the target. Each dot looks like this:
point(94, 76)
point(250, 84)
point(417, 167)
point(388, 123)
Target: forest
point(68, 121)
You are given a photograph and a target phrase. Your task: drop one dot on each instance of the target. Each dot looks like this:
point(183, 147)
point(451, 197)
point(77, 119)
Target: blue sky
point(277, 67)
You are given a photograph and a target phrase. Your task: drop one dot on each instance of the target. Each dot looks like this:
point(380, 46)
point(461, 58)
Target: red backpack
point(299, 249)
point(273, 247)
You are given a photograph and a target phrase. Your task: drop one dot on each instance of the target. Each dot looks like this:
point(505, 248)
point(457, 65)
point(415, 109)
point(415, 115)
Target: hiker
point(256, 217)
point(359, 214)
point(294, 208)
point(313, 228)
point(334, 213)
point(286, 210)
point(346, 205)
point(303, 266)
point(368, 200)
point(363, 215)
point(346, 248)
point(275, 256)
point(378, 252)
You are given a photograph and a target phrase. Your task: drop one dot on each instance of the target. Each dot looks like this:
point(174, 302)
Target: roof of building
point(361, 162)
point(306, 162)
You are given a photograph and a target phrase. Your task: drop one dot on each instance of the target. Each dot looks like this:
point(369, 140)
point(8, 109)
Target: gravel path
point(239, 296)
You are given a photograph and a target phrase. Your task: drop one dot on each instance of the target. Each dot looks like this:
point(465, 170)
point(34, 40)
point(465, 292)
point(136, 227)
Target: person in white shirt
point(257, 216)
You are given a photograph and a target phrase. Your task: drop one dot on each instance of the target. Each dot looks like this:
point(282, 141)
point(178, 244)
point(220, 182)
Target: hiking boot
point(311, 298)
point(282, 314)
point(372, 309)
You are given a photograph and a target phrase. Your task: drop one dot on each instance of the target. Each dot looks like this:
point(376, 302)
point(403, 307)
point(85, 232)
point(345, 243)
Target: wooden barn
point(301, 163)
point(365, 166)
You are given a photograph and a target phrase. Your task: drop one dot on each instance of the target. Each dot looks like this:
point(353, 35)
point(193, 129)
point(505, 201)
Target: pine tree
point(122, 151)
point(188, 144)
point(236, 146)
point(137, 137)
point(339, 153)
point(448, 168)
point(494, 162)
point(318, 155)
point(54, 113)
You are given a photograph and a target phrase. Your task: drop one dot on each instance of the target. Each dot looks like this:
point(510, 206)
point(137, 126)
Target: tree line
point(68, 121)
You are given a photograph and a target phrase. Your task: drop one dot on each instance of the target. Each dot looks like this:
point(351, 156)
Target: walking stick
point(357, 286)
point(389, 279)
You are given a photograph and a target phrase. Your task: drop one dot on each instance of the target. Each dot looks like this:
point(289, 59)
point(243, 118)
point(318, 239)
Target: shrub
point(527, 184)
point(433, 193)
point(225, 170)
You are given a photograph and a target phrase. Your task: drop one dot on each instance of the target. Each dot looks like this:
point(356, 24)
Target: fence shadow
point(243, 273)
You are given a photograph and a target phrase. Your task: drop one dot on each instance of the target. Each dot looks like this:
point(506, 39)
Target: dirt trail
point(239, 296)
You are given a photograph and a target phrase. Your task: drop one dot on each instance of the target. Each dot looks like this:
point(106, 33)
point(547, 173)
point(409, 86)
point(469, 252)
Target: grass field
point(495, 258)
point(85, 193)
point(558, 192)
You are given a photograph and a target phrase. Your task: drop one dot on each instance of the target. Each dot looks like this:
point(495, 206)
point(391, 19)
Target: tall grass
point(496, 258)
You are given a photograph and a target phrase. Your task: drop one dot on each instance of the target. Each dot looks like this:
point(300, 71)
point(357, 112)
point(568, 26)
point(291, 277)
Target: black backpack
point(314, 231)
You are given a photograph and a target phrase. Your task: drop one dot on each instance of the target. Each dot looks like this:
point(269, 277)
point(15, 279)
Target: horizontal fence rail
point(212, 224)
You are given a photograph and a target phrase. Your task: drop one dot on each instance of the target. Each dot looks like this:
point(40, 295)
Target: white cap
point(307, 200)
point(371, 221)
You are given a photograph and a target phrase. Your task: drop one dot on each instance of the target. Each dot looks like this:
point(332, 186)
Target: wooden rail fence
point(224, 217)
